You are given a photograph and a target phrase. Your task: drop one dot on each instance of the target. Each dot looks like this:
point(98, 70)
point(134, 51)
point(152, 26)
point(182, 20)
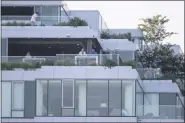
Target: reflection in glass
point(80, 98)
point(54, 98)
point(6, 99)
point(115, 98)
point(17, 95)
point(67, 93)
point(41, 98)
point(97, 98)
point(151, 105)
point(139, 100)
point(167, 102)
point(128, 98)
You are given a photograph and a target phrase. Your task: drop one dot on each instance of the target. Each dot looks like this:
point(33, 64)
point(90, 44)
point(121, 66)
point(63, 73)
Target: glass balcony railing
point(64, 60)
point(161, 112)
point(40, 21)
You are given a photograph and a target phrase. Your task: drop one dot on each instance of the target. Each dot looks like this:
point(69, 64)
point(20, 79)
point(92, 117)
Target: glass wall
point(85, 98)
point(139, 99)
point(151, 104)
point(13, 99)
point(50, 15)
point(162, 106)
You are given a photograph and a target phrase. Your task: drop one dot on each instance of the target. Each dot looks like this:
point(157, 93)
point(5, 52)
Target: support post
point(89, 45)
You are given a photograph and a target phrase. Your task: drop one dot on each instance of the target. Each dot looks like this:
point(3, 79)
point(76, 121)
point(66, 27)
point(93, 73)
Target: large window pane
point(6, 99)
point(151, 105)
point(97, 98)
point(54, 98)
point(50, 15)
point(167, 103)
point(17, 95)
point(139, 100)
point(128, 98)
point(67, 93)
point(115, 98)
point(41, 99)
point(80, 98)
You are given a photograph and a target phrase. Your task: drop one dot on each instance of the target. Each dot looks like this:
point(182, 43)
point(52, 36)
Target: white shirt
point(82, 53)
point(33, 18)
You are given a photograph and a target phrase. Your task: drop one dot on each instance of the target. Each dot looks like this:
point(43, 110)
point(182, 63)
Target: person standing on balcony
point(28, 55)
point(82, 60)
point(92, 52)
point(82, 52)
point(34, 19)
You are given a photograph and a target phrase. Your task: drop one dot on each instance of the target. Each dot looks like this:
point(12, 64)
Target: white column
point(82, 99)
point(129, 99)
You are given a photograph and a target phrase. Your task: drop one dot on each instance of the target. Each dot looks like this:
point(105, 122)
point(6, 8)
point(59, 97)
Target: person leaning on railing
point(82, 60)
point(34, 18)
point(92, 52)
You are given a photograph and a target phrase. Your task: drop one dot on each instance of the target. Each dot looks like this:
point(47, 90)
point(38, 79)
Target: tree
point(152, 56)
point(154, 30)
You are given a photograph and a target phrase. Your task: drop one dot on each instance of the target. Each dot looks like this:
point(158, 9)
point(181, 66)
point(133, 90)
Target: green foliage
point(48, 63)
point(150, 57)
point(106, 35)
point(36, 65)
point(128, 63)
point(154, 30)
point(109, 64)
point(76, 21)
point(25, 66)
point(14, 23)
point(161, 56)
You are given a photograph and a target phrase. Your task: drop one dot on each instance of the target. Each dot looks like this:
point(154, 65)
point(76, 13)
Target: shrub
point(128, 63)
point(25, 66)
point(76, 21)
point(48, 63)
point(109, 64)
point(106, 35)
point(14, 23)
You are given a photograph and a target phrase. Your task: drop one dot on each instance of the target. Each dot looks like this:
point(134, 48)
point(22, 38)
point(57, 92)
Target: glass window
point(179, 108)
point(128, 98)
point(80, 98)
point(115, 98)
point(167, 103)
point(17, 95)
point(67, 93)
point(54, 98)
point(41, 98)
point(151, 105)
point(6, 99)
point(139, 100)
point(50, 15)
point(17, 113)
point(97, 98)
point(68, 112)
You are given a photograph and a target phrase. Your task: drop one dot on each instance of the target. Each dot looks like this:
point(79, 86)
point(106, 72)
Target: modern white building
point(68, 87)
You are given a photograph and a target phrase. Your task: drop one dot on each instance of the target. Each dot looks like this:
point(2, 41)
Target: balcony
point(59, 60)
point(41, 20)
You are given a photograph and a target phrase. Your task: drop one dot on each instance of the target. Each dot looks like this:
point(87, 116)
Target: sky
point(127, 14)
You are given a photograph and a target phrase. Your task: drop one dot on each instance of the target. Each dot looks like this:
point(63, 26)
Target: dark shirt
point(92, 53)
